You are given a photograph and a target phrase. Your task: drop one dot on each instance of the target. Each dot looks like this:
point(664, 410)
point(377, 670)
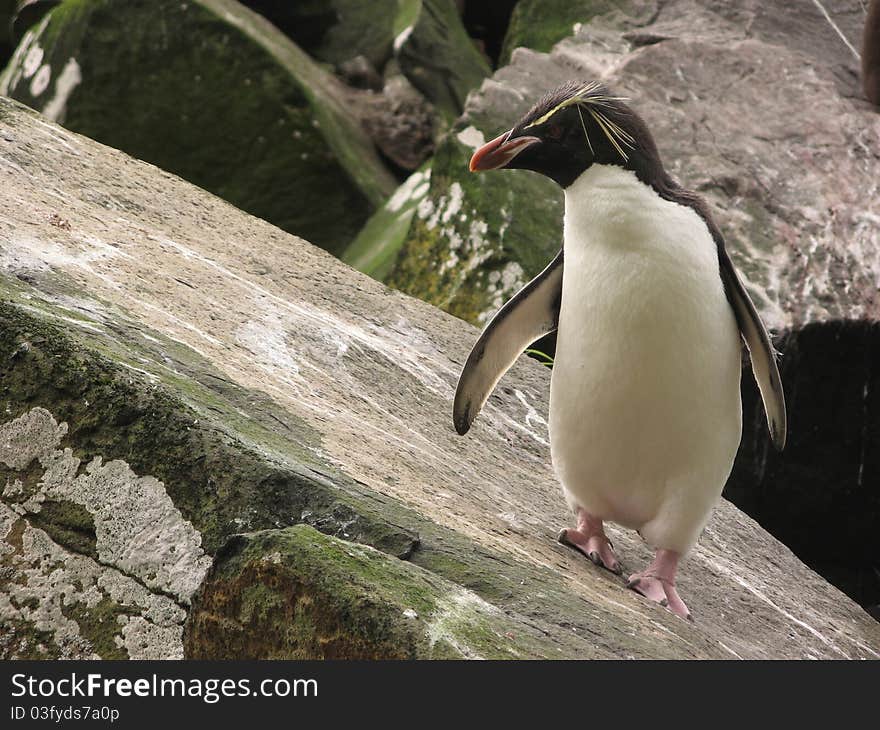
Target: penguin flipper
point(530, 314)
point(760, 350)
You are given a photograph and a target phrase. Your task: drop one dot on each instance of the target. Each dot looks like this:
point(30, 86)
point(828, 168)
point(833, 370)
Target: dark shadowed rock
point(176, 373)
point(216, 94)
point(400, 121)
point(336, 31)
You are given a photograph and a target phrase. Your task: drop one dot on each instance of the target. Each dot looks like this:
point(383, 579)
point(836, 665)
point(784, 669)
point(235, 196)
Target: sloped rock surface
point(239, 380)
point(286, 150)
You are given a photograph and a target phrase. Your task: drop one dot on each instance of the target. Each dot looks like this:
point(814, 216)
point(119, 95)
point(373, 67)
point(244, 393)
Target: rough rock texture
point(230, 378)
point(286, 150)
point(400, 121)
point(541, 24)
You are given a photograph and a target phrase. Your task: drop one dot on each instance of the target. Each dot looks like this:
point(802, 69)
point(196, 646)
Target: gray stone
point(241, 380)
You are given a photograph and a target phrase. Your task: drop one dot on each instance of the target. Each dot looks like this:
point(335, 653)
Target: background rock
point(541, 24)
point(239, 380)
point(214, 93)
point(437, 56)
point(336, 31)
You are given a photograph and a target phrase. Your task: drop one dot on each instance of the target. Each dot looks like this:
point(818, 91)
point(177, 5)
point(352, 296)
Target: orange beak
point(499, 152)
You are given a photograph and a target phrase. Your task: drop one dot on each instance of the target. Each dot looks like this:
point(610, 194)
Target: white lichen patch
point(414, 188)
point(26, 60)
point(69, 78)
point(52, 585)
point(502, 284)
point(471, 137)
point(402, 37)
point(32, 61)
point(146, 550)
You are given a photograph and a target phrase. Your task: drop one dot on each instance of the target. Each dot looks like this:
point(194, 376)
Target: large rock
point(216, 94)
point(426, 37)
point(176, 373)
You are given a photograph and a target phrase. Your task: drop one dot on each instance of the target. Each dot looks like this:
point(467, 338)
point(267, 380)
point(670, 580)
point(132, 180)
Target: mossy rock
point(286, 150)
point(475, 239)
point(298, 594)
point(541, 24)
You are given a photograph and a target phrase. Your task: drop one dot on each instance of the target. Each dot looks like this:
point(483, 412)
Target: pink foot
point(657, 582)
point(589, 538)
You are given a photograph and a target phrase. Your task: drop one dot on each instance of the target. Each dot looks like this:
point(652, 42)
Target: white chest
point(645, 385)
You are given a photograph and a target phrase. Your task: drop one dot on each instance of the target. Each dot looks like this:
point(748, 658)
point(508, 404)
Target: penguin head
point(570, 129)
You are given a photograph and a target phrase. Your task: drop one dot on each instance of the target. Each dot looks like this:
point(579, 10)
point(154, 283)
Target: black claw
point(594, 556)
point(690, 618)
point(632, 583)
point(664, 602)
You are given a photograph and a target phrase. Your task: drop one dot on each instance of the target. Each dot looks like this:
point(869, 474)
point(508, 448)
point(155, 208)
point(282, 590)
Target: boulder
point(191, 395)
point(541, 24)
point(286, 149)
point(425, 37)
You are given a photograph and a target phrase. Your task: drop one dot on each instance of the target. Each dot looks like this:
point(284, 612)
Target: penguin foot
point(597, 547)
point(657, 583)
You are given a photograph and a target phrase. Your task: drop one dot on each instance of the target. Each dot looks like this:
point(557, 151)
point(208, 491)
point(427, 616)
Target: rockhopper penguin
point(645, 413)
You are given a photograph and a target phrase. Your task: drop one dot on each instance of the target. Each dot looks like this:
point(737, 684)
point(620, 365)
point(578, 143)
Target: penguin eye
point(554, 132)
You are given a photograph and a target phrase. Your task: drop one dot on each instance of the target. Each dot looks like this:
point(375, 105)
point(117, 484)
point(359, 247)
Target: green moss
point(376, 248)
point(296, 593)
point(100, 625)
point(21, 640)
point(456, 257)
point(68, 524)
point(541, 24)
